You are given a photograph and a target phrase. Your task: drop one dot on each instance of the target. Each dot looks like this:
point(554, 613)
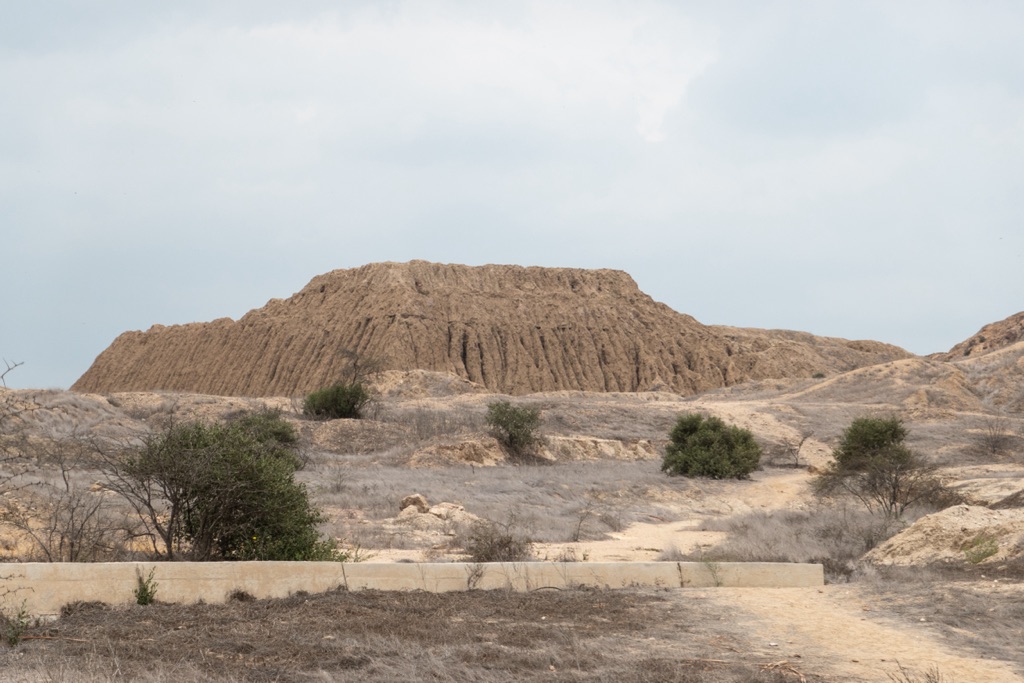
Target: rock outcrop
point(511, 329)
point(991, 337)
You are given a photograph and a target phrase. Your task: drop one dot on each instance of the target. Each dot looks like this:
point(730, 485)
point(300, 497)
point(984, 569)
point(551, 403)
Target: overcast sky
point(851, 169)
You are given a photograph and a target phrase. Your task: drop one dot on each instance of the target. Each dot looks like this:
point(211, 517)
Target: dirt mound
point(916, 385)
point(1014, 501)
point(998, 377)
point(511, 329)
point(763, 354)
point(957, 535)
point(991, 337)
point(414, 384)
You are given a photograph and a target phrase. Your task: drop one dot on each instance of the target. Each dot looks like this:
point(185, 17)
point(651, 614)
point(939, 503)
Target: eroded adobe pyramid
point(512, 329)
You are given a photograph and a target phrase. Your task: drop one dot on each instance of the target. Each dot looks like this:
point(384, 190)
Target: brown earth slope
point(991, 337)
point(511, 329)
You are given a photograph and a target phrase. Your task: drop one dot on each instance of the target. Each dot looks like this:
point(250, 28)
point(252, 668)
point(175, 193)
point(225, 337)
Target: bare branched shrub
point(487, 541)
point(426, 423)
point(7, 370)
point(996, 436)
point(14, 440)
point(787, 453)
point(61, 518)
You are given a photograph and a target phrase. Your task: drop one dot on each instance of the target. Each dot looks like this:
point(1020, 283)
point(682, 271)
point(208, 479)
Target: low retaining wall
point(44, 588)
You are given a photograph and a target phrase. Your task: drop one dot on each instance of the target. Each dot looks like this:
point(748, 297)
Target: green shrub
point(868, 437)
point(268, 426)
point(337, 402)
point(872, 464)
point(514, 426)
point(980, 548)
point(223, 492)
point(708, 447)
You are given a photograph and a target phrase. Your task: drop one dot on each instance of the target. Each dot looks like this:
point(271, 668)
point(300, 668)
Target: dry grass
point(971, 608)
point(357, 471)
point(555, 503)
point(834, 536)
point(623, 636)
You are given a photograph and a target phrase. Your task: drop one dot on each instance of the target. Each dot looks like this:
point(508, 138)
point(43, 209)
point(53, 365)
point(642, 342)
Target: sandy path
point(648, 541)
point(836, 629)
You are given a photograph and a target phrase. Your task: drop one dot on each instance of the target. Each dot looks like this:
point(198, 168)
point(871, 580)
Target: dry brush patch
point(579, 635)
point(972, 608)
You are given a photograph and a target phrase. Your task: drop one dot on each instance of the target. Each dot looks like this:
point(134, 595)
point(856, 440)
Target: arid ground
point(904, 601)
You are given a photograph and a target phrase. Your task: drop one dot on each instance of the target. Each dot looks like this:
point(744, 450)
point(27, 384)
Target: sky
point(850, 169)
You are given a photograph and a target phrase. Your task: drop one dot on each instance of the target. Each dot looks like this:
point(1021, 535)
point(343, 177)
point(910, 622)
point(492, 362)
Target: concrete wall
point(45, 588)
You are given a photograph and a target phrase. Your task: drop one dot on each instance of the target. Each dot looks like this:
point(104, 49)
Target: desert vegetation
point(872, 464)
point(493, 636)
point(515, 426)
point(708, 447)
point(336, 402)
point(221, 491)
point(593, 489)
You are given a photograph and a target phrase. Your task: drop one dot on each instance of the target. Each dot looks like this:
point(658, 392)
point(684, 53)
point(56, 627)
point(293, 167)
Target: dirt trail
point(647, 541)
point(836, 629)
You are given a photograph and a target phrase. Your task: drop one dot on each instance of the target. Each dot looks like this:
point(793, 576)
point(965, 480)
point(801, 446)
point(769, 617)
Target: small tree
point(708, 447)
point(514, 426)
point(872, 464)
point(337, 401)
point(222, 492)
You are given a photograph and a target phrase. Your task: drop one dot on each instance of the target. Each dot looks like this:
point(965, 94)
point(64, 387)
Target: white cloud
point(244, 146)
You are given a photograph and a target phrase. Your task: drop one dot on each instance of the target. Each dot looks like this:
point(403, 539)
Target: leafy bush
point(514, 426)
point(222, 492)
point(868, 437)
point(490, 542)
point(337, 402)
point(267, 426)
point(872, 464)
point(708, 447)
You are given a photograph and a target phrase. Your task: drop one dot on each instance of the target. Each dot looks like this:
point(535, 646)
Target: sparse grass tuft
point(980, 548)
point(145, 588)
point(905, 675)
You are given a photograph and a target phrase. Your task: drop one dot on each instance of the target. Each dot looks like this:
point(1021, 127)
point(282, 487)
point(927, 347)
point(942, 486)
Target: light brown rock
point(991, 337)
point(415, 500)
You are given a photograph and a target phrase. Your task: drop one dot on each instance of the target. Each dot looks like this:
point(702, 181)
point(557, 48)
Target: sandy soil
point(839, 628)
